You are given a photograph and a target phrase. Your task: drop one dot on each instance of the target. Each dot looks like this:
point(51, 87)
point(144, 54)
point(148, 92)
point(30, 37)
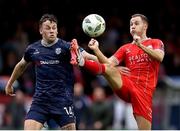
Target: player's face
point(48, 30)
point(137, 26)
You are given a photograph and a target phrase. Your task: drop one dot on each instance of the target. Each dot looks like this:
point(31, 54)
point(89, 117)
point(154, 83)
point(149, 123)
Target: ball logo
point(58, 51)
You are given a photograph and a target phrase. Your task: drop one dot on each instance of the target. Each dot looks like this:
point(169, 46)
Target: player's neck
point(143, 38)
point(46, 44)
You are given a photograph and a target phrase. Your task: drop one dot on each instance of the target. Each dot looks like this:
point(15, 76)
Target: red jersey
point(144, 69)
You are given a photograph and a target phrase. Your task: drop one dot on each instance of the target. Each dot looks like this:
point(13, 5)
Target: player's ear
point(40, 30)
point(145, 26)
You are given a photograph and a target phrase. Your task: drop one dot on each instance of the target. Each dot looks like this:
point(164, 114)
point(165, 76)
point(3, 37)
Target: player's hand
point(93, 44)
point(9, 90)
point(137, 39)
point(124, 70)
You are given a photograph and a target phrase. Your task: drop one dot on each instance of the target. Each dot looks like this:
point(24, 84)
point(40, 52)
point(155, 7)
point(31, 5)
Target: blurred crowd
point(96, 106)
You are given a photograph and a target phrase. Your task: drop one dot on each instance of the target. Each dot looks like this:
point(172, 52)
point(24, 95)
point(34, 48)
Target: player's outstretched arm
point(18, 70)
point(94, 45)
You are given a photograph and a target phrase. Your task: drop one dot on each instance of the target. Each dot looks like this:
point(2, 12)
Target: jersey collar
point(44, 43)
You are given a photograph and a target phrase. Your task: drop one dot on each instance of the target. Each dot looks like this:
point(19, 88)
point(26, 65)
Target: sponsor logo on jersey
point(139, 58)
point(49, 62)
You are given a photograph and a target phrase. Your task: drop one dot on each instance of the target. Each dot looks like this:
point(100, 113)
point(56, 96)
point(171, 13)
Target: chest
point(134, 54)
point(50, 53)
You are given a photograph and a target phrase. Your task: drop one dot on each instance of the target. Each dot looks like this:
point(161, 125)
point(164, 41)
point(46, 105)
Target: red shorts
point(141, 102)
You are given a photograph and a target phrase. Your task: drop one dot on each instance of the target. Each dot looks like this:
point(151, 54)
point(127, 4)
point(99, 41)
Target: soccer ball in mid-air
point(93, 25)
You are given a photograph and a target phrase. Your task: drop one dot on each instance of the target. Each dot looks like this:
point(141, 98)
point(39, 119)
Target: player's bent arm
point(89, 56)
point(101, 57)
point(18, 70)
point(94, 45)
point(157, 54)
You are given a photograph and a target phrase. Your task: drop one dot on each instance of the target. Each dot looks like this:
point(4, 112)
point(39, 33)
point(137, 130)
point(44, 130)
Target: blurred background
point(96, 106)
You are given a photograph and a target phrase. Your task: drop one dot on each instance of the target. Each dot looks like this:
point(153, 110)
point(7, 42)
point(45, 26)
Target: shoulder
point(123, 48)
point(155, 40)
point(156, 44)
point(64, 43)
point(126, 45)
point(34, 44)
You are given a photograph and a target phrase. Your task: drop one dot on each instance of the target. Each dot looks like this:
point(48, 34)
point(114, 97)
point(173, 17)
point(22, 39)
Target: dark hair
point(143, 17)
point(49, 17)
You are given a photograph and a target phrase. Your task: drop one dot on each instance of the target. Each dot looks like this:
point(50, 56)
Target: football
point(93, 25)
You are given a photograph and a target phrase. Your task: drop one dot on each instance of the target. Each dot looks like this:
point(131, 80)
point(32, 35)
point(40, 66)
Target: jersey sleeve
point(27, 55)
point(67, 45)
point(158, 44)
point(120, 54)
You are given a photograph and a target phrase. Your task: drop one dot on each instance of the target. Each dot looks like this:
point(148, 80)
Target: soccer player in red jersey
point(142, 56)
